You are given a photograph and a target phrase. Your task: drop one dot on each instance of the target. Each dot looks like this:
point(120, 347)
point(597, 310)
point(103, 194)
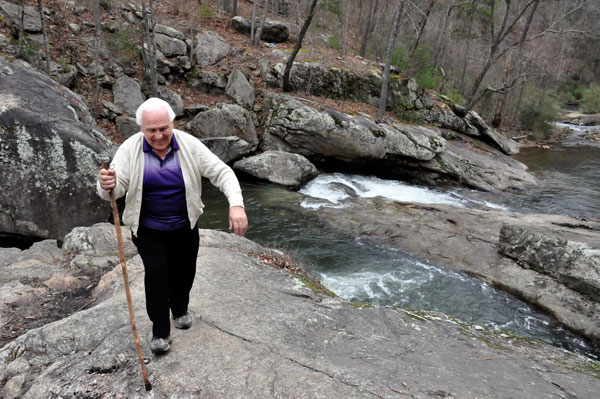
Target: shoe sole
point(164, 350)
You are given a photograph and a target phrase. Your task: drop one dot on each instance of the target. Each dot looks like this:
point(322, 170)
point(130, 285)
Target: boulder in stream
point(278, 167)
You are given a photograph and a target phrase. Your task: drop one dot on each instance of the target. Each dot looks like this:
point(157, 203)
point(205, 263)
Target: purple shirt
point(163, 196)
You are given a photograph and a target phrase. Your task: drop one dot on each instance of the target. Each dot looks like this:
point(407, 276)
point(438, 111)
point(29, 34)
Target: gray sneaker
point(160, 345)
point(184, 322)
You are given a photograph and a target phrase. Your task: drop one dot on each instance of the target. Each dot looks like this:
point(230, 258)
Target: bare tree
point(388, 58)
point(497, 120)
point(422, 25)
point(368, 27)
point(234, 8)
point(253, 22)
point(471, 18)
point(497, 39)
point(150, 46)
point(262, 23)
point(442, 39)
point(44, 35)
point(292, 57)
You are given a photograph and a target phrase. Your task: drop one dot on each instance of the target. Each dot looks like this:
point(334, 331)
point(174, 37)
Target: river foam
point(331, 189)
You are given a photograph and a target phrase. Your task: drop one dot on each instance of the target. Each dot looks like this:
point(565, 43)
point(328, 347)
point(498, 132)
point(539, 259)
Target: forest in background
point(519, 63)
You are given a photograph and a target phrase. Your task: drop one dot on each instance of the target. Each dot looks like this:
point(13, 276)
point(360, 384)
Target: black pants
point(169, 258)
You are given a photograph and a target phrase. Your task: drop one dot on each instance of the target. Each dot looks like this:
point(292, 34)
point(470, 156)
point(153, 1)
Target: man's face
point(158, 130)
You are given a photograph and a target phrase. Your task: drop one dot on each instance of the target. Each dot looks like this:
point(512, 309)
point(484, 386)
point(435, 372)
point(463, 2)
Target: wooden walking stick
point(115, 211)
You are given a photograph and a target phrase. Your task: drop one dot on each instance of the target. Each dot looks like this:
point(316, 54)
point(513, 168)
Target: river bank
point(260, 332)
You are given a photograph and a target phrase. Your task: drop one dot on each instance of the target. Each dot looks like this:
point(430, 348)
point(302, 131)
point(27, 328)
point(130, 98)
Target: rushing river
point(363, 272)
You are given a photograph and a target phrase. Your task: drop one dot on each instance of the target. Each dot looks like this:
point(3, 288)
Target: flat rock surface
point(260, 332)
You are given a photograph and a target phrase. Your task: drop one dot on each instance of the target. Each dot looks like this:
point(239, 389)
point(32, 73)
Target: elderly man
point(160, 169)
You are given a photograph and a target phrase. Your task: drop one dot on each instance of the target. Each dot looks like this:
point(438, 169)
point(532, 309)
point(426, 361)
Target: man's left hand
point(238, 220)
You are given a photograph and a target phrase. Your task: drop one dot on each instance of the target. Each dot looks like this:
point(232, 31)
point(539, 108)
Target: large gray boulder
point(223, 121)
point(173, 98)
point(240, 89)
point(50, 153)
point(575, 265)
point(208, 82)
point(169, 31)
point(278, 167)
point(294, 127)
point(127, 94)
point(31, 22)
point(483, 169)
point(210, 49)
point(273, 31)
point(405, 97)
point(229, 148)
point(418, 151)
point(260, 332)
point(170, 46)
point(127, 125)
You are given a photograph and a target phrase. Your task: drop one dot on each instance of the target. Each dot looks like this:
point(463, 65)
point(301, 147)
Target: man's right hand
point(107, 178)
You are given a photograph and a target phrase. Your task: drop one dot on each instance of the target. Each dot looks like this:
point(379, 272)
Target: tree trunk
point(496, 40)
point(442, 39)
point(253, 22)
point(468, 49)
point(290, 62)
point(368, 28)
point(375, 28)
point(97, 32)
point(45, 36)
point(21, 32)
point(497, 120)
point(148, 21)
point(234, 8)
point(422, 26)
point(388, 59)
point(262, 23)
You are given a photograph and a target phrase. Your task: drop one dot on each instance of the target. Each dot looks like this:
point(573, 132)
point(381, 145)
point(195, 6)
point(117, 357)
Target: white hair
point(153, 104)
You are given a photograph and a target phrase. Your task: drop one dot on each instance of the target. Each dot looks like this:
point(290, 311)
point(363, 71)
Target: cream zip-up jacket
point(196, 161)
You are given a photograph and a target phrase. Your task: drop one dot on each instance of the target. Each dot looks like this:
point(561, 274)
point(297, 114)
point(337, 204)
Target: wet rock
point(50, 151)
point(278, 167)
